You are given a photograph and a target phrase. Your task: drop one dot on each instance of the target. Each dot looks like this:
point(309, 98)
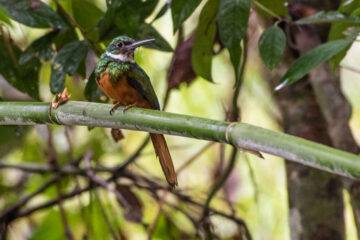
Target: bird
point(122, 80)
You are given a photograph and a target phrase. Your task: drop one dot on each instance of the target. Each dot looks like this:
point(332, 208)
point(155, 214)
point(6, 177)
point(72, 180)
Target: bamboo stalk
point(240, 135)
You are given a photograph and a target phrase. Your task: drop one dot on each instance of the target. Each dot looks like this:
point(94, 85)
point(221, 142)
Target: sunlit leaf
point(233, 20)
point(312, 59)
point(49, 227)
point(202, 52)
point(4, 17)
point(66, 61)
point(271, 46)
point(34, 13)
point(181, 10)
point(166, 229)
point(328, 17)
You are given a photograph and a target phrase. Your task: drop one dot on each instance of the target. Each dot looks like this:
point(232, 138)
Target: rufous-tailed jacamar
point(122, 80)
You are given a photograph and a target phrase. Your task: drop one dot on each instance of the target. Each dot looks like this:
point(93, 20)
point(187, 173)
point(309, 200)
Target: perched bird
point(126, 83)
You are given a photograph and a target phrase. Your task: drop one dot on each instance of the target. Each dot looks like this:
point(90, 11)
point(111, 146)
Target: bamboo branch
point(240, 135)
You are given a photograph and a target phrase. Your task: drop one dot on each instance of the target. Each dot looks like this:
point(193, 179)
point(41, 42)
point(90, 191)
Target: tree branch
point(240, 135)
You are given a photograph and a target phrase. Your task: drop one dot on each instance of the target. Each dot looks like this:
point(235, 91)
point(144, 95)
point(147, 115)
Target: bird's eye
point(120, 44)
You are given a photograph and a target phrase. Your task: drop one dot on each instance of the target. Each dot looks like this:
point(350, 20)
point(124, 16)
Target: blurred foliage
point(69, 35)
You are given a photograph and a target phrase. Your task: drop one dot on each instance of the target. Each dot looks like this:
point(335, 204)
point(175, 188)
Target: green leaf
point(349, 6)
point(338, 29)
point(92, 92)
point(86, 14)
point(276, 6)
point(329, 17)
point(181, 10)
point(126, 15)
point(32, 13)
point(146, 7)
point(66, 61)
point(49, 227)
point(148, 31)
point(272, 44)
point(312, 59)
point(162, 11)
point(202, 52)
point(40, 48)
point(233, 20)
point(4, 17)
point(22, 77)
point(11, 137)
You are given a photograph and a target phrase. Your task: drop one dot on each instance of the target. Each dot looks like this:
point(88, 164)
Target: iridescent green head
point(122, 48)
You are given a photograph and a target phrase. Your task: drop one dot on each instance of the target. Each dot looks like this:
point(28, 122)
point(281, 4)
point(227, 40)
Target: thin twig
point(350, 68)
point(233, 116)
point(152, 186)
point(53, 162)
point(10, 213)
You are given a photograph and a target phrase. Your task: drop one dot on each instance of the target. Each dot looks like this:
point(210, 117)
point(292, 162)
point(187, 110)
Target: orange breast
point(121, 91)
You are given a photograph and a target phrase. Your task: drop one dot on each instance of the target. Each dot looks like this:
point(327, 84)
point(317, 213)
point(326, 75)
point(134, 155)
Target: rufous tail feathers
point(163, 153)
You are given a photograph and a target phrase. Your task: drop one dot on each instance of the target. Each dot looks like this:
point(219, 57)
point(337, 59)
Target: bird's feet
point(128, 107)
point(117, 105)
point(113, 109)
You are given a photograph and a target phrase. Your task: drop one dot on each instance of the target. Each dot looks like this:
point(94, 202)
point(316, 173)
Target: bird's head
point(122, 48)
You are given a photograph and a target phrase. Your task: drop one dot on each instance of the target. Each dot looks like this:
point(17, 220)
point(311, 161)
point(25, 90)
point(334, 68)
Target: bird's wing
point(141, 82)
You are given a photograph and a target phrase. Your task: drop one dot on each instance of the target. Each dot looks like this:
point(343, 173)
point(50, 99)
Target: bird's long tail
point(163, 153)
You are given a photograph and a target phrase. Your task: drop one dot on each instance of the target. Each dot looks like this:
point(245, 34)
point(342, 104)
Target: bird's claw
point(128, 107)
point(113, 109)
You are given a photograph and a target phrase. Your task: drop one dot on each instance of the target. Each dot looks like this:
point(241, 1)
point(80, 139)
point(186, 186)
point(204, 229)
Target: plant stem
point(240, 135)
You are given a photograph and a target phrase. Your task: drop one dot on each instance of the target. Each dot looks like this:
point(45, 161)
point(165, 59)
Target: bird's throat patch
point(120, 57)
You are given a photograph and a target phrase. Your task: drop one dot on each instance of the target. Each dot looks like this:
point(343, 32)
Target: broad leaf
point(146, 7)
point(40, 48)
point(329, 17)
point(271, 46)
point(22, 77)
point(338, 29)
point(148, 31)
point(66, 61)
point(92, 92)
point(4, 17)
point(126, 15)
point(180, 69)
point(87, 15)
point(312, 59)
point(162, 11)
point(276, 6)
point(181, 10)
point(48, 227)
point(233, 20)
point(32, 13)
point(202, 52)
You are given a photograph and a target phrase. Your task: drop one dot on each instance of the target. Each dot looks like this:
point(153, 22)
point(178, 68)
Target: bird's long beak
point(140, 43)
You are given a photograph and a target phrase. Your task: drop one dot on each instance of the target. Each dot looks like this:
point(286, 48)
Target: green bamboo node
point(240, 135)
